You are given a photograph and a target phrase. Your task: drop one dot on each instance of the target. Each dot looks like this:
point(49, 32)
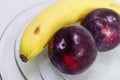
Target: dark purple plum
point(72, 49)
point(104, 24)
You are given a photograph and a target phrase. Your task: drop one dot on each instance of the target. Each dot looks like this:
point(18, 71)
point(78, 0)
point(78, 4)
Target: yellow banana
point(46, 23)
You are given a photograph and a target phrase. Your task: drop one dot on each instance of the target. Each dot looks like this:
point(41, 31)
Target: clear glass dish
point(105, 67)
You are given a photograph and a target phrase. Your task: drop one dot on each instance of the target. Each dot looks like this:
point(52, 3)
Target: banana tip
point(23, 58)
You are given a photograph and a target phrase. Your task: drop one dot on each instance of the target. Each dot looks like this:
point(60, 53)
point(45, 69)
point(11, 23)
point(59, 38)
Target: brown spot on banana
point(37, 30)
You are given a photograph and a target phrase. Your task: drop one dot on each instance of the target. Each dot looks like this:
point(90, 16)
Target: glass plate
point(105, 67)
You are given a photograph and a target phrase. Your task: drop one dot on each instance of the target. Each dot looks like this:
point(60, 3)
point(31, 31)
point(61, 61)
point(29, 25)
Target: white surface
point(10, 8)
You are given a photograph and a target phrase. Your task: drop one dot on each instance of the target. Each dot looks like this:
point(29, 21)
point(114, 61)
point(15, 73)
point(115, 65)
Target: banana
point(64, 12)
